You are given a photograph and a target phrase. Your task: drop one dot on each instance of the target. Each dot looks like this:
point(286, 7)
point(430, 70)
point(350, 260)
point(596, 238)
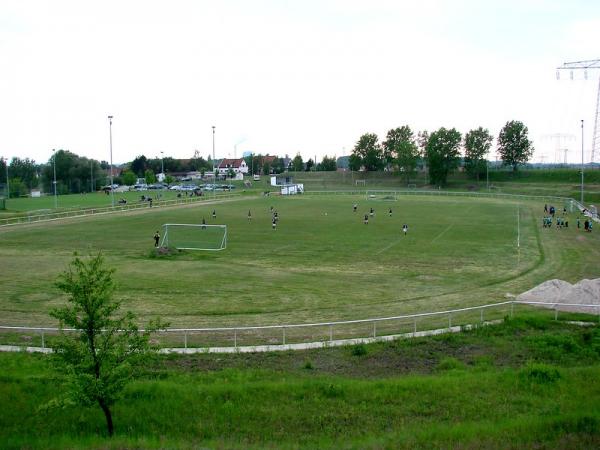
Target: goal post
point(187, 236)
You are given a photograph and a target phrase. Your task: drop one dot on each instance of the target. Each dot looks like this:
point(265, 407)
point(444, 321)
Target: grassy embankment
point(528, 383)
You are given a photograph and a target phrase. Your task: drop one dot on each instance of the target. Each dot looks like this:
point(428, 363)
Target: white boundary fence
point(75, 213)
point(282, 335)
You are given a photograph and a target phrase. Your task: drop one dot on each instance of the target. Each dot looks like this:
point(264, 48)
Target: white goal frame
point(165, 238)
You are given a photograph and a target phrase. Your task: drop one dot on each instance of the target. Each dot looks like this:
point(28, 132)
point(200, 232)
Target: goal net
point(186, 236)
point(390, 196)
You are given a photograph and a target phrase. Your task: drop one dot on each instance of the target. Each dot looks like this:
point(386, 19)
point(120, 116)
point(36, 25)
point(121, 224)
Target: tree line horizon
point(438, 152)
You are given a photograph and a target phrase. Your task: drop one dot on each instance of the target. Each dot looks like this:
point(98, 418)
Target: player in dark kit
point(156, 238)
point(366, 220)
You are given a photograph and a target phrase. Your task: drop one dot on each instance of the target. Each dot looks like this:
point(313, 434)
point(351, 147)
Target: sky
point(287, 77)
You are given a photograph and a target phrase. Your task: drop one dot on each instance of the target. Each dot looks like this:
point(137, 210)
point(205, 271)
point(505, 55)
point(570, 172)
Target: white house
point(237, 165)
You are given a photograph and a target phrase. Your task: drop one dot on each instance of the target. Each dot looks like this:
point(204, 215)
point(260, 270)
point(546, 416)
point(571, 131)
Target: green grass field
point(321, 264)
point(530, 382)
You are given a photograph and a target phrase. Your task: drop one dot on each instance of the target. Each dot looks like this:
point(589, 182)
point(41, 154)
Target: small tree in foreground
point(98, 359)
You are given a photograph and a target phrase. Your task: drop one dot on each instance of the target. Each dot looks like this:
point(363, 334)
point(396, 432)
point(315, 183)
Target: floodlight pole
point(487, 173)
point(581, 161)
point(162, 164)
point(112, 191)
point(7, 182)
point(213, 164)
point(54, 164)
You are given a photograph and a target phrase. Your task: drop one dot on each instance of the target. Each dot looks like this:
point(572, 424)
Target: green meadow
point(529, 382)
point(320, 264)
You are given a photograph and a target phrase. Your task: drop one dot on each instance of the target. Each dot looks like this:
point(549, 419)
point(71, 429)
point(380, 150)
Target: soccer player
point(405, 229)
point(214, 214)
point(203, 224)
point(249, 216)
point(274, 224)
point(366, 220)
point(390, 212)
point(156, 238)
point(354, 207)
point(372, 212)
point(578, 223)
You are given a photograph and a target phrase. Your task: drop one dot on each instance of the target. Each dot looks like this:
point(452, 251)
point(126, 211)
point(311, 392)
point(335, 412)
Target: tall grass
point(272, 400)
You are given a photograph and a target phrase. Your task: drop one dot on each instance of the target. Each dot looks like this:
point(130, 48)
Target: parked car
point(175, 188)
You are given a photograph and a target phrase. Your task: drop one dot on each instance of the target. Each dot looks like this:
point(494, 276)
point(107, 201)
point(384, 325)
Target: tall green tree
point(149, 176)
point(128, 178)
point(402, 150)
point(24, 169)
point(297, 163)
point(477, 143)
point(513, 144)
point(369, 151)
point(100, 357)
point(442, 152)
point(354, 162)
point(327, 164)
point(309, 164)
point(139, 165)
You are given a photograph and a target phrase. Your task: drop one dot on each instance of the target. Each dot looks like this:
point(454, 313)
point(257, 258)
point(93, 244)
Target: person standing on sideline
point(405, 229)
point(156, 239)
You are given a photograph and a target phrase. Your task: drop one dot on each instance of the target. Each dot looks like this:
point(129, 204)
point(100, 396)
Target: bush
point(450, 363)
point(359, 350)
point(540, 374)
point(308, 365)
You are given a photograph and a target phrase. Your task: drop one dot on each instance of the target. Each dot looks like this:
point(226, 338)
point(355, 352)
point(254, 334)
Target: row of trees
point(440, 150)
point(73, 174)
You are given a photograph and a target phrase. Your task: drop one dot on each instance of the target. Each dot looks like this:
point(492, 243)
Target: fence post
point(185, 339)
point(555, 312)
point(43, 342)
point(330, 333)
point(449, 320)
point(414, 326)
point(283, 335)
point(235, 338)
point(481, 314)
point(512, 309)
point(374, 329)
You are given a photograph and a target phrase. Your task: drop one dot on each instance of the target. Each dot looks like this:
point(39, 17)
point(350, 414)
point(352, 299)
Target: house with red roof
point(237, 165)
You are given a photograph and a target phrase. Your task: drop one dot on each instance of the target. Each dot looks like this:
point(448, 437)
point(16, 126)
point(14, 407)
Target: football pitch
point(320, 264)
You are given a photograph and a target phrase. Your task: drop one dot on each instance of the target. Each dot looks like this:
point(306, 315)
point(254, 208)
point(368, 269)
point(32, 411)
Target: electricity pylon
point(585, 66)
